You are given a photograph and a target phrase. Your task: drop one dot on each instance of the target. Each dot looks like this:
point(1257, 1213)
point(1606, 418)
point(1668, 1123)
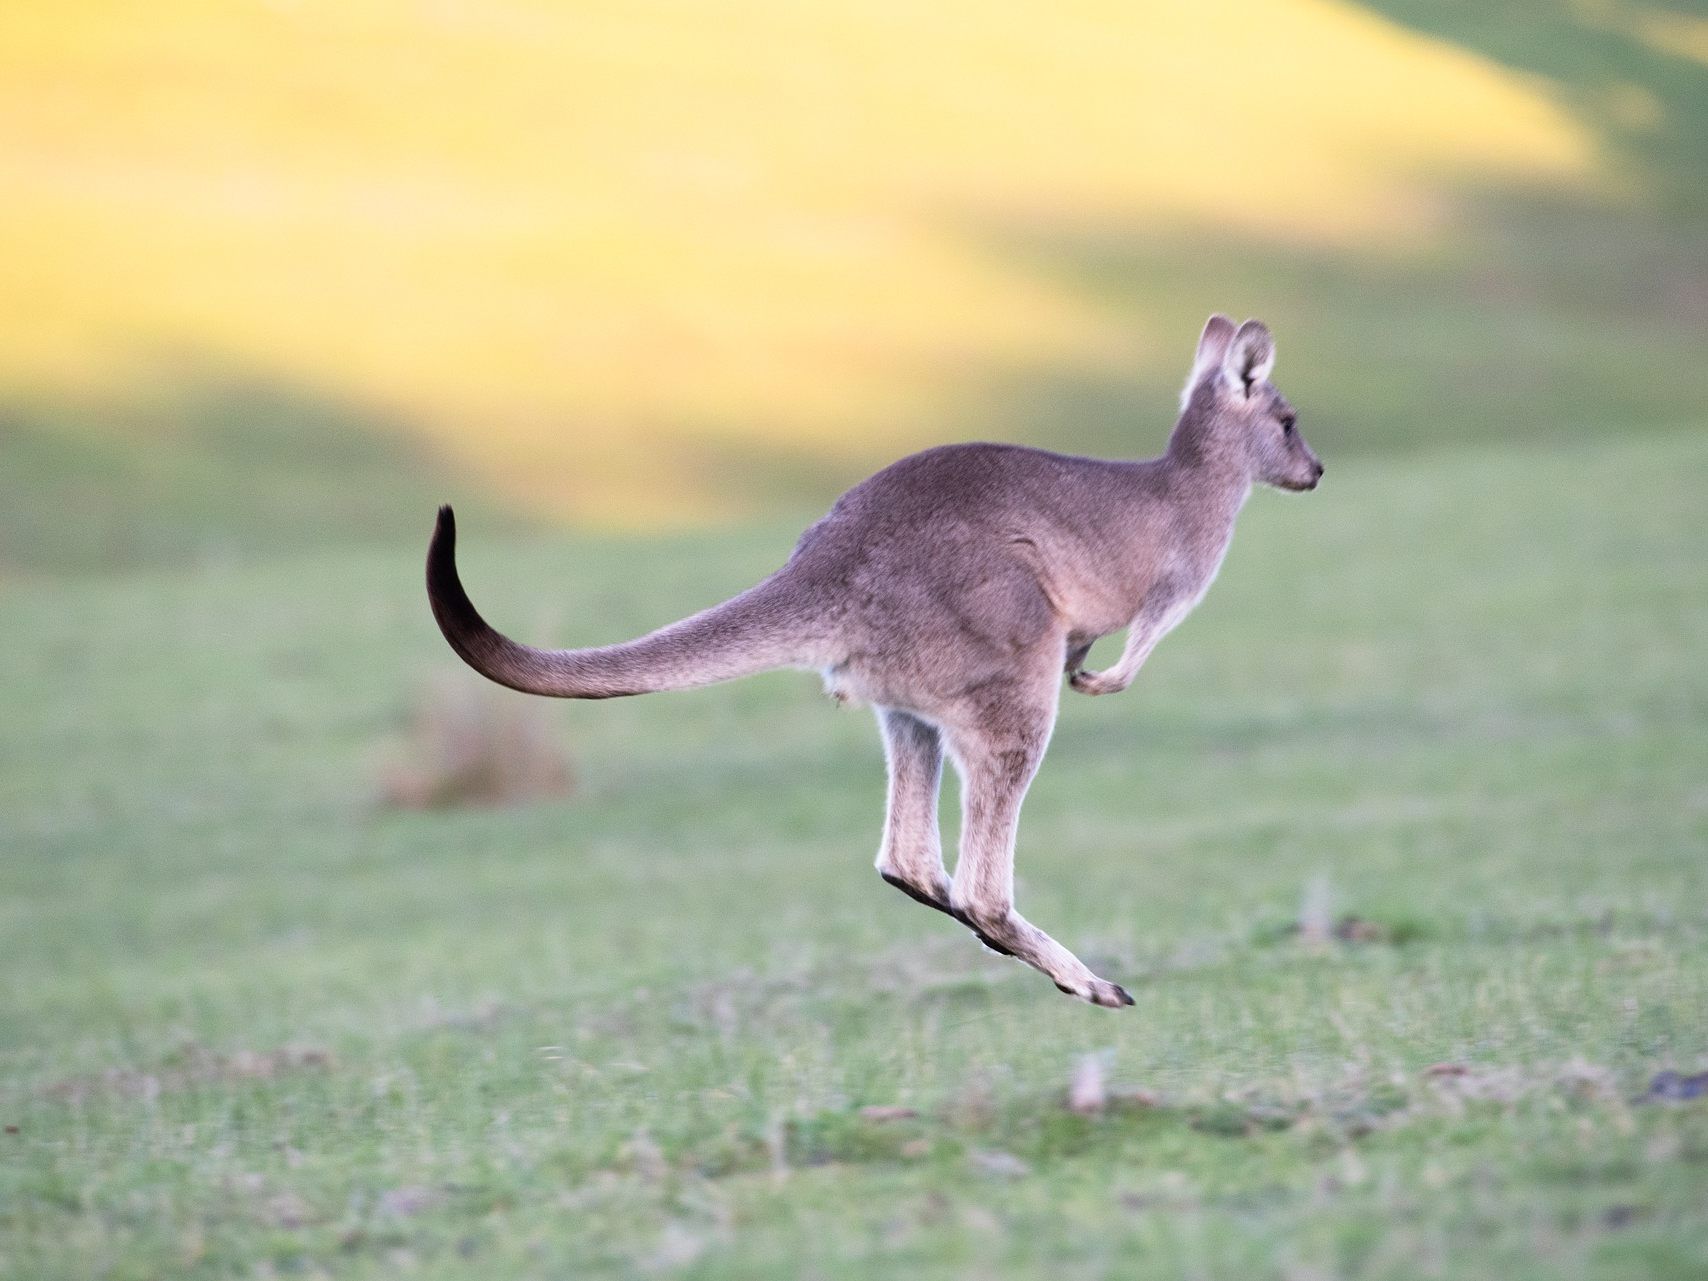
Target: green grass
point(252, 1023)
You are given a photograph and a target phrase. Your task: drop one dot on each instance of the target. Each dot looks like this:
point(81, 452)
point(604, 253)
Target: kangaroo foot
point(1026, 942)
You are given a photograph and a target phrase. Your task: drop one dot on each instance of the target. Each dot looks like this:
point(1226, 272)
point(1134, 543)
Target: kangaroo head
point(1233, 414)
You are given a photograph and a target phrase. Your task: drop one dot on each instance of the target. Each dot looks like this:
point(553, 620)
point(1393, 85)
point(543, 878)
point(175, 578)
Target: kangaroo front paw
point(1085, 682)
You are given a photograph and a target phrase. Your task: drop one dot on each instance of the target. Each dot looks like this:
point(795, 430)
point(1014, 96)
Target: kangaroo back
point(763, 628)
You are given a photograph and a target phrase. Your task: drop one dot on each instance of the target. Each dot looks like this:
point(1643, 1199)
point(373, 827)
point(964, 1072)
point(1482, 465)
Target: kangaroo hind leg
point(911, 856)
point(996, 768)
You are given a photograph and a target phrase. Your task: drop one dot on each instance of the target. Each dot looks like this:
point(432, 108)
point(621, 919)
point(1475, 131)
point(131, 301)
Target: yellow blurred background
point(573, 251)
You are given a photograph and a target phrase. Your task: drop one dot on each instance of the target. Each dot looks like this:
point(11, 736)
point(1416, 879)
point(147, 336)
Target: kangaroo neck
point(1206, 492)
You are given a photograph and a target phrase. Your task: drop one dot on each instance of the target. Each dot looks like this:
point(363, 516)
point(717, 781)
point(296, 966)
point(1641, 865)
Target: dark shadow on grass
point(230, 465)
point(1488, 342)
point(1648, 102)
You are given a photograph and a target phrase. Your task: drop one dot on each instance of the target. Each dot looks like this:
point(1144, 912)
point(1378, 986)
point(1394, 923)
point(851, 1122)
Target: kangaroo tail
point(753, 632)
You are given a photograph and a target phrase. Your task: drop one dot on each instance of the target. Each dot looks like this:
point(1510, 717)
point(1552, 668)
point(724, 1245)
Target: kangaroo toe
point(1110, 995)
point(1098, 991)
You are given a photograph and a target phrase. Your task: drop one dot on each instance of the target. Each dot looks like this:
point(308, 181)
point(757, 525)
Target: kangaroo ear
point(1251, 356)
point(1212, 351)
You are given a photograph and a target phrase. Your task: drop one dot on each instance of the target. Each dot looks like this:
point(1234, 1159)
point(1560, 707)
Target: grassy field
point(1401, 844)
point(250, 1023)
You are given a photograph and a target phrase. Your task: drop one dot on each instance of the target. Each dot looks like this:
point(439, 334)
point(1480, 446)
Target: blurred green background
point(1401, 843)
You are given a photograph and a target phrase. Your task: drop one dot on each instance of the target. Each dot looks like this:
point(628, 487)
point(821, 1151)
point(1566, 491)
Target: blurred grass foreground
point(1401, 844)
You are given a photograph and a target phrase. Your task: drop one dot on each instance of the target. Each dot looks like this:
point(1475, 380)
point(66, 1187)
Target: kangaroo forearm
point(1144, 633)
point(1140, 642)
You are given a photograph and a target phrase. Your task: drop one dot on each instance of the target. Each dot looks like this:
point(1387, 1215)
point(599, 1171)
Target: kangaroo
point(950, 591)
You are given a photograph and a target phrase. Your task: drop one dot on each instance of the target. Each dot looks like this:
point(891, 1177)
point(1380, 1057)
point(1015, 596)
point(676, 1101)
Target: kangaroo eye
point(1287, 421)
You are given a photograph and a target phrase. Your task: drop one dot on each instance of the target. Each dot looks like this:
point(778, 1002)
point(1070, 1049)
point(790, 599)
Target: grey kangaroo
point(951, 591)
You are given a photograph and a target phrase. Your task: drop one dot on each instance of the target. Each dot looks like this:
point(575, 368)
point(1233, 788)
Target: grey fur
point(951, 590)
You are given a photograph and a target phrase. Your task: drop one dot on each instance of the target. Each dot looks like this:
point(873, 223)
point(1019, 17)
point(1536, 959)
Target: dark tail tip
point(450, 604)
point(442, 552)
